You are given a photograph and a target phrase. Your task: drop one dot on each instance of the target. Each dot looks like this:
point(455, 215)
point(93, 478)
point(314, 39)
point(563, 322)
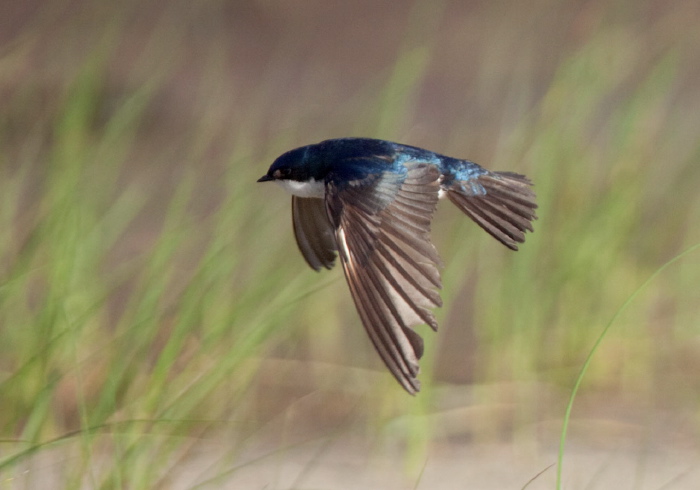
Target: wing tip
point(414, 388)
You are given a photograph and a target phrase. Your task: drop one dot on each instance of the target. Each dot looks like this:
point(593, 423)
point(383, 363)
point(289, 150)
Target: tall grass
point(151, 293)
point(598, 343)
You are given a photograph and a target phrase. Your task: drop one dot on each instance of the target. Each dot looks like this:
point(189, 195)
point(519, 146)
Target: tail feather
point(506, 208)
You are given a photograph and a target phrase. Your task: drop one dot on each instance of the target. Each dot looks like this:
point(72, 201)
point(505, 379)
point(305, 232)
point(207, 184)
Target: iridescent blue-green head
point(300, 171)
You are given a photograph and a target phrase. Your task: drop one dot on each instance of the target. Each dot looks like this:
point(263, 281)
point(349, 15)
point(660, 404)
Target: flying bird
point(371, 202)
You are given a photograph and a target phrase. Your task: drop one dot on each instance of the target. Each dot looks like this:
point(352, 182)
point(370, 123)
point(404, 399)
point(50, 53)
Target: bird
point(371, 203)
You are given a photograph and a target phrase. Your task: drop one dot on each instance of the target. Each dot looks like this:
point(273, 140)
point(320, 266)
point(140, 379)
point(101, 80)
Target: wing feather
point(382, 231)
point(313, 231)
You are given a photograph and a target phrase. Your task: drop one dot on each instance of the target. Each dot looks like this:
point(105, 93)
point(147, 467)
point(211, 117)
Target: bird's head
point(298, 171)
point(293, 165)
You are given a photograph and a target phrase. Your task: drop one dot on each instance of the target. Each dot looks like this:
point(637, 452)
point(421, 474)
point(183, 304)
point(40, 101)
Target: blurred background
point(159, 328)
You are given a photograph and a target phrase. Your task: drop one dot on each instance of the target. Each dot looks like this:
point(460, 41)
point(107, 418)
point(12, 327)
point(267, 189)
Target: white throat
point(311, 188)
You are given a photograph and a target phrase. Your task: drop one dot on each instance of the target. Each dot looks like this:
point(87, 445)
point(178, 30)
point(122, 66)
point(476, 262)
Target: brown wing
point(382, 232)
point(313, 231)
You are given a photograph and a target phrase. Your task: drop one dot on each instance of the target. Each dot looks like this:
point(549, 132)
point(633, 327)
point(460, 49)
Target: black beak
point(265, 178)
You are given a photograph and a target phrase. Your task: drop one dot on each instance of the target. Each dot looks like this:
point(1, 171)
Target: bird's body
point(372, 201)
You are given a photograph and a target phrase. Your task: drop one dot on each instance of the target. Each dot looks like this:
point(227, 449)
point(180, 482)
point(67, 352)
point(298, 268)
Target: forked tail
point(505, 209)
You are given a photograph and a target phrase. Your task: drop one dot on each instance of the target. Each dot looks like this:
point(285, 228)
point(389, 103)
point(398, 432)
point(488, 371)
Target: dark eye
point(282, 173)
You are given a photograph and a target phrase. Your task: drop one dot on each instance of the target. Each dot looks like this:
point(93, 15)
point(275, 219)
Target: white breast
point(311, 188)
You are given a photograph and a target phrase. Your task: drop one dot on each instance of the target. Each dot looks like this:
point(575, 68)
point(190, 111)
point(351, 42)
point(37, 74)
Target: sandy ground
point(350, 463)
point(479, 466)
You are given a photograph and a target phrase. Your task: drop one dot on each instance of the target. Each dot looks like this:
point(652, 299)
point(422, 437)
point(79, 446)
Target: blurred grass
point(151, 294)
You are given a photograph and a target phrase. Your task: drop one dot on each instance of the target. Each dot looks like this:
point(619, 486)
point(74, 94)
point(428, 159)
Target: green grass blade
point(598, 342)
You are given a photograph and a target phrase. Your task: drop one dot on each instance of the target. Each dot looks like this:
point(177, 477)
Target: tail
point(505, 208)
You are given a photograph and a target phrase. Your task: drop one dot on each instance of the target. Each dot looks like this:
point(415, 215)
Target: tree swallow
point(372, 201)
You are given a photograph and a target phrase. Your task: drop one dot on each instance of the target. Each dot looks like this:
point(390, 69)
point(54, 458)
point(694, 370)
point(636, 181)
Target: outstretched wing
point(313, 231)
point(382, 227)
